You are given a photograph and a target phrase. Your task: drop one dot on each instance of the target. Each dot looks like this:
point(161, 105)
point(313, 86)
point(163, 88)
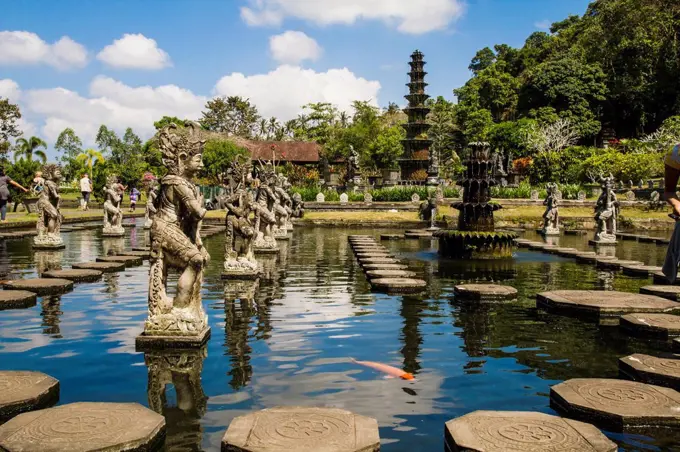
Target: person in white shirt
point(85, 190)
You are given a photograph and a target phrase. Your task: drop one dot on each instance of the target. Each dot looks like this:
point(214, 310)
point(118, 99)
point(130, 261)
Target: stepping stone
point(617, 405)
point(75, 275)
point(585, 255)
point(142, 254)
point(593, 259)
point(398, 285)
point(141, 248)
point(569, 252)
point(391, 237)
point(668, 292)
point(660, 326)
point(603, 306)
point(129, 261)
point(303, 429)
point(41, 286)
point(367, 255)
point(661, 241)
point(374, 274)
point(369, 267)
point(615, 264)
point(105, 267)
point(660, 279)
point(575, 232)
point(85, 426)
point(368, 249)
point(624, 236)
point(17, 299)
point(640, 271)
point(558, 250)
point(651, 370)
point(523, 431)
point(485, 292)
point(646, 239)
point(378, 260)
point(22, 391)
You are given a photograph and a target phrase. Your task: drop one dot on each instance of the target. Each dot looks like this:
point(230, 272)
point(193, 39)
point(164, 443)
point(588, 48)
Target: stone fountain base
point(146, 341)
point(475, 245)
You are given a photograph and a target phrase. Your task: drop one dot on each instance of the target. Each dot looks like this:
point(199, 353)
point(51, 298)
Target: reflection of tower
point(239, 297)
point(113, 245)
point(47, 260)
point(181, 368)
point(416, 144)
point(411, 312)
point(51, 315)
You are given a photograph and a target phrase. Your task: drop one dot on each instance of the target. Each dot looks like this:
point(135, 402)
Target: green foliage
point(69, 146)
point(232, 115)
point(396, 194)
point(564, 167)
point(218, 155)
point(624, 167)
point(22, 172)
point(167, 120)
point(511, 135)
point(29, 148)
point(9, 127)
point(385, 150)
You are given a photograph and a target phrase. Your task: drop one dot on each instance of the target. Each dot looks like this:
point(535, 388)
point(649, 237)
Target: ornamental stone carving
point(298, 209)
point(320, 197)
point(49, 216)
point(344, 199)
point(113, 215)
point(282, 209)
point(551, 216)
point(265, 219)
point(534, 195)
point(150, 211)
point(606, 213)
point(176, 244)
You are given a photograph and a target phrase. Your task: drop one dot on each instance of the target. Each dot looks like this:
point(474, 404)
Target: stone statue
point(113, 215)
point(176, 242)
point(433, 167)
point(428, 211)
point(606, 212)
point(239, 259)
point(49, 216)
point(282, 203)
point(298, 209)
point(265, 219)
point(151, 196)
point(287, 186)
point(353, 170)
point(497, 164)
point(551, 216)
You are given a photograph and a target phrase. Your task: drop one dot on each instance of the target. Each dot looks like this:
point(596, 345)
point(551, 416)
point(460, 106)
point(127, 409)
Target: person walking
point(5, 182)
point(85, 190)
point(134, 196)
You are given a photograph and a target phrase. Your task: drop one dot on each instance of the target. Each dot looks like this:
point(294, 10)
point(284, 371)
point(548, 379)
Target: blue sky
point(182, 52)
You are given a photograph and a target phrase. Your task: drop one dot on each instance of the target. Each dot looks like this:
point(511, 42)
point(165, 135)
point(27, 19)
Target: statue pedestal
point(281, 233)
point(48, 243)
point(603, 242)
point(146, 341)
point(241, 269)
point(550, 232)
point(113, 232)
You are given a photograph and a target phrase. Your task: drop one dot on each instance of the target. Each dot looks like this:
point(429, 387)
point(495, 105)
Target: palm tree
point(90, 157)
point(29, 148)
point(262, 126)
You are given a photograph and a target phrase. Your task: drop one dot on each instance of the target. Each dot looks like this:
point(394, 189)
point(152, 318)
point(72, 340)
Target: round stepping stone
point(378, 260)
point(75, 275)
point(129, 261)
point(368, 255)
point(400, 285)
point(616, 404)
point(518, 431)
point(373, 274)
point(17, 299)
point(660, 279)
point(593, 259)
point(537, 246)
point(302, 429)
point(22, 391)
point(85, 426)
point(141, 248)
point(485, 292)
point(369, 267)
point(640, 271)
point(615, 264)
point(668, 292)
point(142, 254)
point(558, 249)
point(367, 249)
point(391, 237)
point(528, 244)
point(568, 252)
point(41, 286)
point(417, 233)
point(603, 306)
point(661, 326)
point(105, 267)
point(651, 370)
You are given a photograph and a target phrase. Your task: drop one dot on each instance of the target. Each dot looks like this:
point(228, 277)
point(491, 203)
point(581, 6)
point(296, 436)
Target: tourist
point(85, 190)
point(38, 182)
point(5, 182)
point(134, 196)
point(671, 176)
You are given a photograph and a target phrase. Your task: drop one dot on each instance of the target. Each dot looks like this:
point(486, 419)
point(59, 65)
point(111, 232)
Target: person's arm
point(16, 184)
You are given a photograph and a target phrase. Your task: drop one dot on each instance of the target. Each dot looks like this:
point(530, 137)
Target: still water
point(288, 339)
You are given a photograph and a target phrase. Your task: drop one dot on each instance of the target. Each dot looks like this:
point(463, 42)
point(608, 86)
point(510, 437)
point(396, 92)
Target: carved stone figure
point(551, 217)
point(534, 195)
point(287, 186)
point(581, 196)
point(415, 198)
point(49, 216)
point(239, 259)
point(368, 198)
point(428, 211)
point(176, 243)
point(151, 196)
point(265, 219)
point(630, 195)
point(320, 197)
point(433, 167)
point(298, 209)
point(282, 203)
point(353, 170)
point(606, 213)
point(498, 170)
point(113, 215)
point(344, 199)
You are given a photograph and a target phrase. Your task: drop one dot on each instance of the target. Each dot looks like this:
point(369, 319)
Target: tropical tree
point(90, 158)
point(28, 148)
point(9, 128)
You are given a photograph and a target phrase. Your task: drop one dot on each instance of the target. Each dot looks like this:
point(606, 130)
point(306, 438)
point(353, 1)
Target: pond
point(289, 338)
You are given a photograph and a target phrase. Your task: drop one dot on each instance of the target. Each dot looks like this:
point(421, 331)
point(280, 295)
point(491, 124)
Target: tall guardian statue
point(113, 214)
point(49, 216)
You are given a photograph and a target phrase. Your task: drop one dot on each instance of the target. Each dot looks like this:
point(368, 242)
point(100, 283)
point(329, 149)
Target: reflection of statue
point(265, 218)
point(176, 241)
point(281, 208)
point(239, 297)
point(47, 260)
point(182, 368)
point(551, 219)
point(151, 196)
point(239, 260)
point(298, 209)
point(113, 215)
point(606, 212)
point(113, 245)
point(287, 186)
point(49, 216)
point(50, 311)
point(353, 170)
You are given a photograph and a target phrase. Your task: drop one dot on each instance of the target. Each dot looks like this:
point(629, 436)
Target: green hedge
point(396, 194)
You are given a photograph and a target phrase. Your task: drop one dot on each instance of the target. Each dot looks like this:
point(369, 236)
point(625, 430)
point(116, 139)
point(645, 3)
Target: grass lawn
point(94, 214)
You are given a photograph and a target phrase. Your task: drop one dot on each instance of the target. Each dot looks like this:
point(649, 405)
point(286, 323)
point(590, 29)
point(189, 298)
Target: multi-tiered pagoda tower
point(475, 236)
point(416, 145)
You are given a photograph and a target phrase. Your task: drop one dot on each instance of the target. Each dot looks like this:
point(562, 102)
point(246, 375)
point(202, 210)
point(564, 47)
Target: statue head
point(182, 149)
point(552, 188)
point(52, 171)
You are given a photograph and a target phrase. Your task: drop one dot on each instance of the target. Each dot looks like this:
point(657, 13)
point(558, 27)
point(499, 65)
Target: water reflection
point(114, 245)
point(51, 316)
point(47, 260)
point(181, 369)
point(239, 309)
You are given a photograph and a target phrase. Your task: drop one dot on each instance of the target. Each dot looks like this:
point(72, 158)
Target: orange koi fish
point(392, 372)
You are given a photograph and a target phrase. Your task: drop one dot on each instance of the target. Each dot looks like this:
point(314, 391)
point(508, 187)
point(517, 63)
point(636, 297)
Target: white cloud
point(293, 47)
point(25, 48)
point(283, 91)
point(543, 24)
point(134, 51)
point(9, 89)
point(409, 16)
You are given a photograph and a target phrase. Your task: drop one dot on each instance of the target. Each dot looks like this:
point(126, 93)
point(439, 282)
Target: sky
point(127, 63)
